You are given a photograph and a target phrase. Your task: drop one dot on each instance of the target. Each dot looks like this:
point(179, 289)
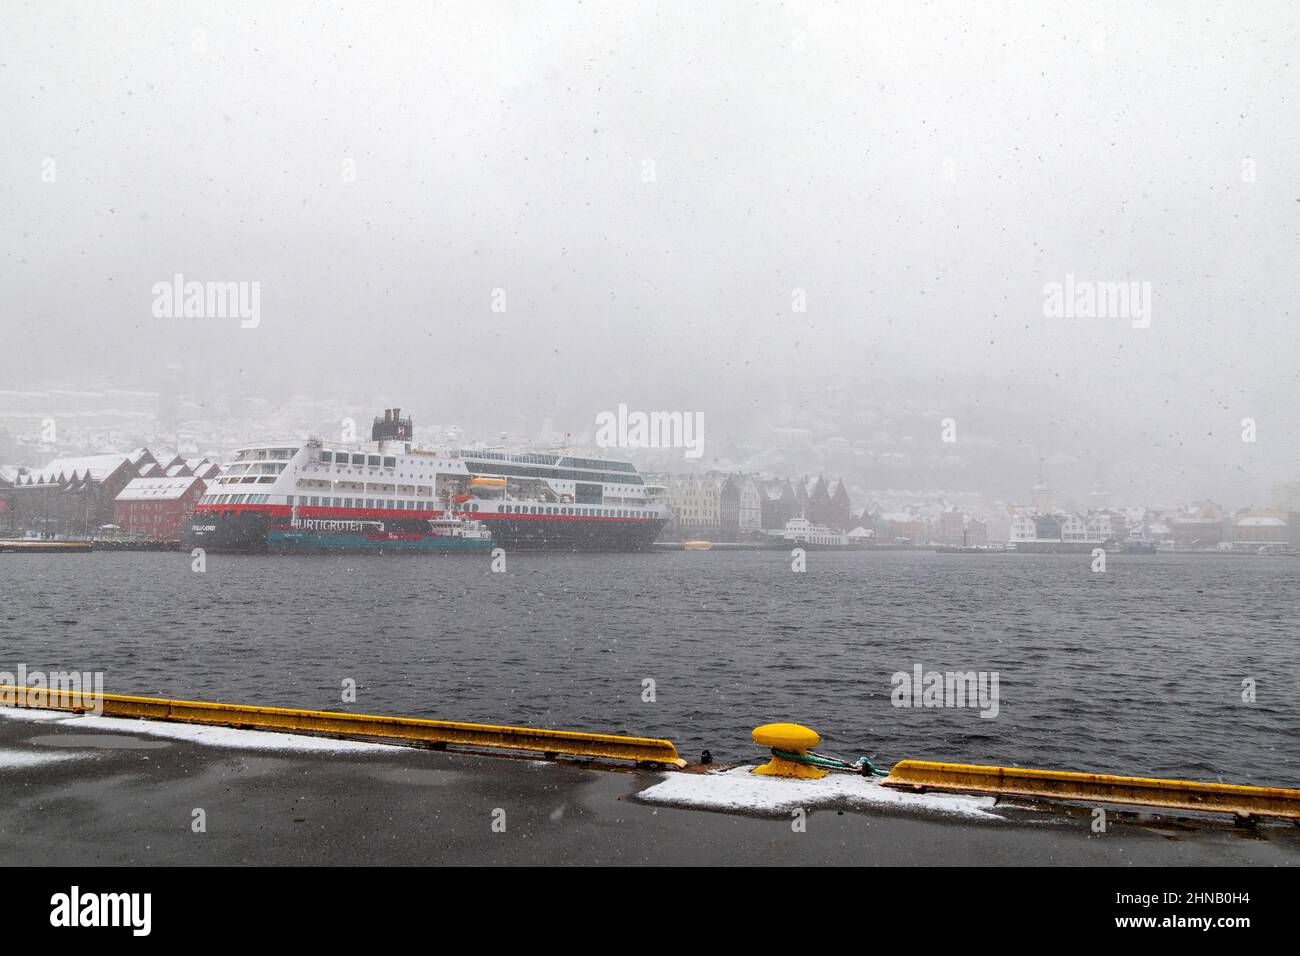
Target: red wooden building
point(156, 508)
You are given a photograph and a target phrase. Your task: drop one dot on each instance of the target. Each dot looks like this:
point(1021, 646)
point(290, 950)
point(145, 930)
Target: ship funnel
point(392, 427)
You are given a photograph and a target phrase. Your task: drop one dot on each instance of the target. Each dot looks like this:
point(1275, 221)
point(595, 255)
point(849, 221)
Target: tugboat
point(446, 534)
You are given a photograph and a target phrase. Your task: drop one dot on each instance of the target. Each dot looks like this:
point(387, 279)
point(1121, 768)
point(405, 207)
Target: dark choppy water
point(1138, 670)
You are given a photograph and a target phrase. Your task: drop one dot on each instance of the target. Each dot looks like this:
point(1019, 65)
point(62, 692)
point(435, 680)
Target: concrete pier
point(86, 790)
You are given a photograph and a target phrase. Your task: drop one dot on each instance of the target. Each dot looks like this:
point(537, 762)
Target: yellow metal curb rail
point(641, 750)
point(1102, 788)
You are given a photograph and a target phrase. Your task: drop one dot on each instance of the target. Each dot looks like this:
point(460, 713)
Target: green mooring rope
point(862, 765)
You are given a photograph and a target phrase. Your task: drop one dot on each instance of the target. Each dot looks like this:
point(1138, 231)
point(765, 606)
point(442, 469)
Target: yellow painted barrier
point(640, 750)
point(1095, 787)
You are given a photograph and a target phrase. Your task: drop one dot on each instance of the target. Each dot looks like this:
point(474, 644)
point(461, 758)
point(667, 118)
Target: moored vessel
point(805, 534)
point(393, 496)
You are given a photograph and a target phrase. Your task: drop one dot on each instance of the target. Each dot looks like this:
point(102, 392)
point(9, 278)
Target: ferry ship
point(392, 496)
point(805, 534)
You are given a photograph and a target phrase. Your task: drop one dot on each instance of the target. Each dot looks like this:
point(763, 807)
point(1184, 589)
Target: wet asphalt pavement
point(88, 796)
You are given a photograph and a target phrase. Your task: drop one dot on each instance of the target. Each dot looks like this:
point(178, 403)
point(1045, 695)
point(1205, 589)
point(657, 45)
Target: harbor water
point(1138, 670)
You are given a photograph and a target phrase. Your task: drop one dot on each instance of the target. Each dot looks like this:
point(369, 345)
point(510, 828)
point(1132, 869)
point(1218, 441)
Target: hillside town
point(737, 507)
point(131, 464)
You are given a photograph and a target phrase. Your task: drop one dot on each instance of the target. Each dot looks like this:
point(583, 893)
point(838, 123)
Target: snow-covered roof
point(861, 533)
point(156, 489)
point(98, 467)
point(1257, 522)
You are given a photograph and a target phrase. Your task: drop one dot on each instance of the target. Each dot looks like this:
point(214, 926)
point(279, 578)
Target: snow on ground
point(10, 759)
point(27, 713)
point(200, 733)
point(739, 790)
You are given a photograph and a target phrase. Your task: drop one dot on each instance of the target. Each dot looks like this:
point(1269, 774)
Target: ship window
point(390, 461)
point(358, 459)
point(327, 457)
point(373, 461)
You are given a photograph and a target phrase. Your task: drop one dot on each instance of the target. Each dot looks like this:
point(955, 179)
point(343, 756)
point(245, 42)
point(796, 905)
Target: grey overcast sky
point(920, 170)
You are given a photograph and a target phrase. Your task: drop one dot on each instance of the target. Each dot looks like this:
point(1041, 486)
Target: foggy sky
point(920, 170)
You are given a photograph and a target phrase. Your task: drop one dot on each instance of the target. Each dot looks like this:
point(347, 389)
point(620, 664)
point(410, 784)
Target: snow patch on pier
point(230, 736)
point(27, 713)
point(200, 733)
point(738, 790)
point(19, 759)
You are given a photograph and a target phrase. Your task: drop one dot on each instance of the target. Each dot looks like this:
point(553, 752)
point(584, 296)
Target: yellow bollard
point(792, 738)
